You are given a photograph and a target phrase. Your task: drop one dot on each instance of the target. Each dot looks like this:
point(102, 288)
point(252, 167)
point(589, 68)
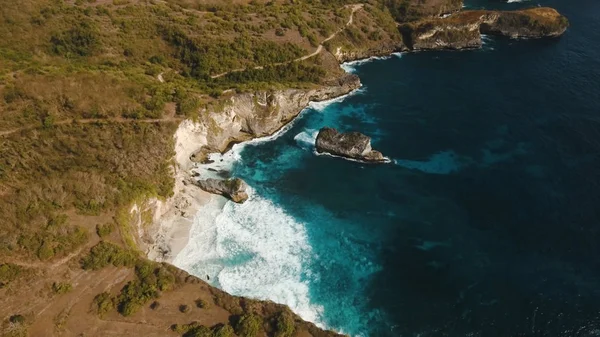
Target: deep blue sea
point(487, 223)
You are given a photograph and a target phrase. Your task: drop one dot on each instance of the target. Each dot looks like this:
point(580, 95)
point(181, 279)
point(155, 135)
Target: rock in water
point(352, 145)
point(234, 189)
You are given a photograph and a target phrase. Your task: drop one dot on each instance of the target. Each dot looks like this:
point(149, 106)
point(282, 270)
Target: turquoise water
point(485, 224)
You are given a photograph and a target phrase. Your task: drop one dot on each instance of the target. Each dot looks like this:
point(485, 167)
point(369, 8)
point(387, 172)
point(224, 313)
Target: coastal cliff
point(239, 118)
point(91, 108)
point(463, 30)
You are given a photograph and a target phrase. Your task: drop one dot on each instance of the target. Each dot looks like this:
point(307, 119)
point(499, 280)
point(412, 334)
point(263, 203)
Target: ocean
point(486, 223)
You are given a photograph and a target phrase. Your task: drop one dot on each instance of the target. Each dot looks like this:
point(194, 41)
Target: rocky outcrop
point(353, 145)
point(463, 30)
point(442, 34)
point(346, 54)
point(234, 189)
point(529, 23)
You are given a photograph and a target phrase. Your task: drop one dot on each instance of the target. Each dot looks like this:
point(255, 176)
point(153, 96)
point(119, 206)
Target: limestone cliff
point(250, 115)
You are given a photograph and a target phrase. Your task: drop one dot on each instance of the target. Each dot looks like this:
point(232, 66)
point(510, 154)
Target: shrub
point(81, 40)
point(184, 308)
point(223, 331)
point(195, 329)
point(285, 325)
point(17, 319)
point(150, 281)
point(8, 273)
point(103, 303)
point(155, 305)
point(61, 288)
point(249, 325)
point(183, 329)
point(203, 304)
point(104, 254)
point(56, 238)
point(104, 230)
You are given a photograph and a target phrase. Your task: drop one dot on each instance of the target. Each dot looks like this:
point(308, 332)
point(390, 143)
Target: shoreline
point(174, 219)
point(196, 236)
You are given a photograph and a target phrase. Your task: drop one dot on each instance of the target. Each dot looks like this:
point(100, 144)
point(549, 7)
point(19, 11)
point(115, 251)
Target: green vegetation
point(102, 304)
point(15, 326)
point(104, 230)
point(249, 325)
point(409, 10)
point(202, 304)
point(195, 329)
point(106, 253)
point(17, 319)
point(8, 273)
point(91, 167)
point(223, 331)
point(60, 288)
point(54, 239)
point(285, 325)
point(151, 280)
point(81, 40)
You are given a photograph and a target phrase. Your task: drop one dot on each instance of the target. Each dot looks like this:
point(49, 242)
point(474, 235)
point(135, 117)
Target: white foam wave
point(306, 139)
point(350, 67)
point(386, 160)
point(254, 249)
point(485, 39)
point(320, 106)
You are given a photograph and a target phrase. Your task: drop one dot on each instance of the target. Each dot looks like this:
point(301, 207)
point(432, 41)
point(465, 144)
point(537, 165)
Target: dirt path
point(44, 265)
point(96, 120)
point(319, 49)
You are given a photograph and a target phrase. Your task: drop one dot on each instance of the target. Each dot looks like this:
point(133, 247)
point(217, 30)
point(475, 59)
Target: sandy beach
point(173, 218)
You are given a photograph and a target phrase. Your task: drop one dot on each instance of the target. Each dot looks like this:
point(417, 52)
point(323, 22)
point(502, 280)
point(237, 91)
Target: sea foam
point(254, 249)
point(351, 66)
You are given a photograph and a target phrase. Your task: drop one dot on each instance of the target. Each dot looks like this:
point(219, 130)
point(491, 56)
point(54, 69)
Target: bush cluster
point(151, 280)
point(106, 253)
point(249, 325)
point(195, 329)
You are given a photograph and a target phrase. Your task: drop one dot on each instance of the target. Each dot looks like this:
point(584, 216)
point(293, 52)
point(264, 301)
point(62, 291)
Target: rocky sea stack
point(234, 189)
point(353, 145)
point(463, 30)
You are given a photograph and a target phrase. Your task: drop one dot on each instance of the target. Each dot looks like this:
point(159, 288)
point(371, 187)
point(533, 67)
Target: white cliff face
point(250, 115)
point(164, 231)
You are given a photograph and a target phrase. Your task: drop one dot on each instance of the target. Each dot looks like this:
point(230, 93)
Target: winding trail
point(319, 49)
